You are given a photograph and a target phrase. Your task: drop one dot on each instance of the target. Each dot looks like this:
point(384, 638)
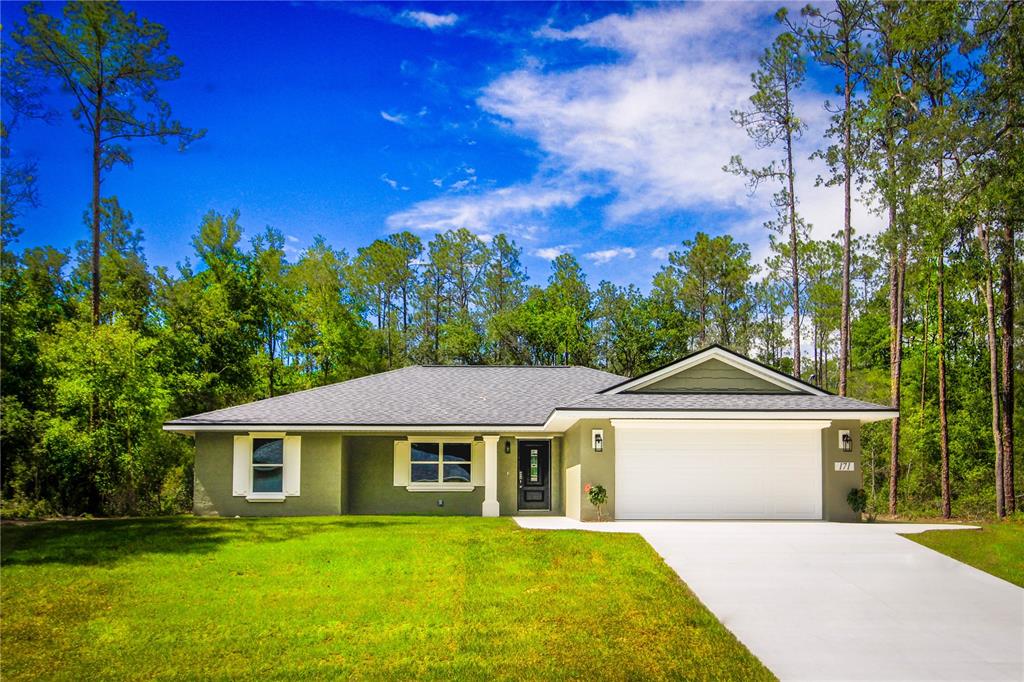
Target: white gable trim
point(739, 362)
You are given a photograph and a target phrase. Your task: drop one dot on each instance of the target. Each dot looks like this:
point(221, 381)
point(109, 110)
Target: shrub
point(857, 499)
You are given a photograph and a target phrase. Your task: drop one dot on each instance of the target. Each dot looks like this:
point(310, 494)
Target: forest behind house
point(99, 348)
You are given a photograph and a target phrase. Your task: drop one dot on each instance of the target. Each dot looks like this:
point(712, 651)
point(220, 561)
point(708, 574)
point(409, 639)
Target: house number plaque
point(844, 466)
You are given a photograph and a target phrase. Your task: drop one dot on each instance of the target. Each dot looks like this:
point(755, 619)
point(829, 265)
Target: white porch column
point(490, 475)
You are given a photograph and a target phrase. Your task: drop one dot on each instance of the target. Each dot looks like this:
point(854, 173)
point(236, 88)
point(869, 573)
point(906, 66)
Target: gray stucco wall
point(837, 484)
point(371, 488)
point(595, 467)
point(320, 472)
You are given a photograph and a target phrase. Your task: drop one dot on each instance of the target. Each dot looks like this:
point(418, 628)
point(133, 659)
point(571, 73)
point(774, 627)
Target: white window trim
point(431, 487)
point(440, 487)
point(265, 497)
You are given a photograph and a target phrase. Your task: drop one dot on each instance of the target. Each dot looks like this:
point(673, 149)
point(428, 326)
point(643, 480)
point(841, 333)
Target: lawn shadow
point(103, 542)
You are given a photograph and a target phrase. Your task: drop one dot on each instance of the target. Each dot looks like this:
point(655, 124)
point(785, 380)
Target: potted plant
point(598, 495)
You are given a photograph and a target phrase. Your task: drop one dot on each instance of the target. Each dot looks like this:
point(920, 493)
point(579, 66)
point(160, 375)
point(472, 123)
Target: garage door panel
point(718, 473)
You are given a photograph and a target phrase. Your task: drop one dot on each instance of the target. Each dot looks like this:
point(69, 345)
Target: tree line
point(99, 348)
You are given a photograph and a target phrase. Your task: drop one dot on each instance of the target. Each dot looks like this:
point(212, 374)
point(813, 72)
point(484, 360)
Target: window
point(441, 462)
point(268, 465)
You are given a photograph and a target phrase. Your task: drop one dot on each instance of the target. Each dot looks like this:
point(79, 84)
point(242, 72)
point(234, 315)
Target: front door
point(535, 474)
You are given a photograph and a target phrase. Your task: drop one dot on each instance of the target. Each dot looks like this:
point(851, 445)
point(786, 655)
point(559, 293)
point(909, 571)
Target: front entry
point(535, 474)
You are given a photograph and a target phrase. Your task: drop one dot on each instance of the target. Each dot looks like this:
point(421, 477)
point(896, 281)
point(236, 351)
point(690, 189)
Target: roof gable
point(715, 370)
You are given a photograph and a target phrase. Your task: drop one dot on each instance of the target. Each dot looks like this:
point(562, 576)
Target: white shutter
point(241, 466)
point(402, 462)
point(292, 464)
point(476, 469)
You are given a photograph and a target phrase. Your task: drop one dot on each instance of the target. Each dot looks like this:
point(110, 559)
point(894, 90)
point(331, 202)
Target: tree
point(128, 292)
point(772, 121)
point(111, 63)
point(504, 289)
point(709, 277)
point(833, 36)
point(624, 330)
point(330, 338)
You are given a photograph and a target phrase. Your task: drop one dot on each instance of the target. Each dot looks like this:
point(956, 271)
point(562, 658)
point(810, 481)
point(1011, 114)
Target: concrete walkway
point(830, 601)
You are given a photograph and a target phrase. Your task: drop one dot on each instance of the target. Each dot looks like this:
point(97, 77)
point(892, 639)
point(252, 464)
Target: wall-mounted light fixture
point(597, 438)
point(508, 446)
point(845, 441)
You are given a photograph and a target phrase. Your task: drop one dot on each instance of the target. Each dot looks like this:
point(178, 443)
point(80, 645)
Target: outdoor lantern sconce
point(598, 440)
point(845, 441)
point(508, 447)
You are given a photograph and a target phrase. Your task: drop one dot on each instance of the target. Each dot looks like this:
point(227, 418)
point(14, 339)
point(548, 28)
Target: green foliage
point(857, 499)
point(934, 101)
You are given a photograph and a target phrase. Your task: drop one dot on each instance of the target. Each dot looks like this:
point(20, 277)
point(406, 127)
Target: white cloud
point(513, 210)
point(437, 182)
point(650, 131)
point(552, 252)
point(429, 19)
point(392, 183)
point(607, 255)
point(292, 238)
point(398, 119)
point(660, 252)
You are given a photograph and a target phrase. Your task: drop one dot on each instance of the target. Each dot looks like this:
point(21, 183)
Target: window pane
point(267, 451)
point(267, 479)
point(457, 452)
point(426, 452)
point(456, 473)
point(424, 473)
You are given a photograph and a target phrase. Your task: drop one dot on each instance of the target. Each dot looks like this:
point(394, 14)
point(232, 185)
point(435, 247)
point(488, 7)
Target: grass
point(363, 597)
point(997, 548)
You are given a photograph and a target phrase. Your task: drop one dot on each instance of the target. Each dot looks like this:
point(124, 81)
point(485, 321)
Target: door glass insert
point(534, 467)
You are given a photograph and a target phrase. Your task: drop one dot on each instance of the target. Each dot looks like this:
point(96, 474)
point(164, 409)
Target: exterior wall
point(710, 376)
point(837, 484)
point(371, 488)
point(320, 482)
point(593, 468)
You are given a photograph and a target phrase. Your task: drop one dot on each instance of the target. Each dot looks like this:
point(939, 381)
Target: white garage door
point(720, 470)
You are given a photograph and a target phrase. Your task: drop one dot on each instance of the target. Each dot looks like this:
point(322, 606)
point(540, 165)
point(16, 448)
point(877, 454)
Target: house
point(714, 435)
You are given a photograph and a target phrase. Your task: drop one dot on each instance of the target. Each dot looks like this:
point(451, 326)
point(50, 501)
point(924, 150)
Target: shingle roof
point(723, 402)
point(424, 395)
point(435, 395)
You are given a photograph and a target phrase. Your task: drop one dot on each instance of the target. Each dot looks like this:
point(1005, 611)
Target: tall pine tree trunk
point(793, 255)
point(97, 152)
point(943, 422)
point(993, 368)
point(844, 320)
point(1006, 284)
point(897, 278)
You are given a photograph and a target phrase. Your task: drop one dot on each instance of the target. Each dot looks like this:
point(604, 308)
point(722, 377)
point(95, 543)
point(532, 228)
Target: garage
point(727, 469)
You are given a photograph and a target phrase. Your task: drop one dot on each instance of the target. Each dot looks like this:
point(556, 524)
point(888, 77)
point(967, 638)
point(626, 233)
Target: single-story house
point(714, 435)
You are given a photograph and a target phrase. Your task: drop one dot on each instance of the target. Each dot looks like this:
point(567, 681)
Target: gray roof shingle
point(489, 395)
point(790, 402)
point(424, 395)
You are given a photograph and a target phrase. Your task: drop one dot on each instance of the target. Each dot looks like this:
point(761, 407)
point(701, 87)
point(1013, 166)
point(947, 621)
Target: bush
point(598, 495)
point(857, 499)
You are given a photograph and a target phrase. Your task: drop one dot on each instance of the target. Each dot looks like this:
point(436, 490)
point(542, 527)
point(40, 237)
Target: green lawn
point(996, 548)
point(370, 597)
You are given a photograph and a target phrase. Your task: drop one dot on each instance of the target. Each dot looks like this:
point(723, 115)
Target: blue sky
point(598, 129)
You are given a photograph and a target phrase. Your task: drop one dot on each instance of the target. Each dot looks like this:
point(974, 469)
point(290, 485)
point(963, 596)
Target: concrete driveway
point(830, 601)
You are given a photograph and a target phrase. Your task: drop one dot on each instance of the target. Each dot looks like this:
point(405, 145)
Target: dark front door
point(535, 474)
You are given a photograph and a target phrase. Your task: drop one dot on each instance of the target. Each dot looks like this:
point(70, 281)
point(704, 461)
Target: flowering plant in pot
point(597, 495)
